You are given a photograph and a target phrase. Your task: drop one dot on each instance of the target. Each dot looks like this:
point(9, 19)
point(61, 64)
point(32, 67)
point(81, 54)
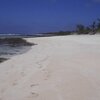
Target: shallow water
point(8, 51)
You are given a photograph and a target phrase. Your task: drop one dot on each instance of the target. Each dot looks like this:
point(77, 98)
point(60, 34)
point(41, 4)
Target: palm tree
point(80, 29)
point(87, 30)
point(98, 25)
point(93, 27)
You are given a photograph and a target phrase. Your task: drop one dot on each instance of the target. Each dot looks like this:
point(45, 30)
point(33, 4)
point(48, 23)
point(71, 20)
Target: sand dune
point(57, 68)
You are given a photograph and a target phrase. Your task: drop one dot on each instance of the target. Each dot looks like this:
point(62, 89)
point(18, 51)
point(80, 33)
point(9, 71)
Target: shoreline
point(13, 46)
point(58, 68)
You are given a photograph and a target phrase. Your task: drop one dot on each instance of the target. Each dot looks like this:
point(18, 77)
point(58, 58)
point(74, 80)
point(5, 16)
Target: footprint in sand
point(32, 85)
point(47, 73)
point(23, 74)
point(15, 83)
point(40, 63)
point(33, 95)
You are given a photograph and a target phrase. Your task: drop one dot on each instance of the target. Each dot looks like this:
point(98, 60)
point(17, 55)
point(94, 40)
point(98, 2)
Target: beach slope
point(57, 68)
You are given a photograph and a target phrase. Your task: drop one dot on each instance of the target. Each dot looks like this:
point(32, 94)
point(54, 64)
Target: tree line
point(92, 29)
point(80, 29)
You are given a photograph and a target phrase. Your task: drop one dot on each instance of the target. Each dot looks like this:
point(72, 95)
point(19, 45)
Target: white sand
point(57, 68)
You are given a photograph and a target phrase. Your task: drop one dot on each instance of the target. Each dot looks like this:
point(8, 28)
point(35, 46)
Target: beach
point(56, 68)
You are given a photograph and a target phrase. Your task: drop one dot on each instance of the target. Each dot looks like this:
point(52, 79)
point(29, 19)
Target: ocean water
point(8, 51)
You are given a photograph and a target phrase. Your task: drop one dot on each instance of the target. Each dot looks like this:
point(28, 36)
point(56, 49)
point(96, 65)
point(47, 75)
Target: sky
point(38, 16)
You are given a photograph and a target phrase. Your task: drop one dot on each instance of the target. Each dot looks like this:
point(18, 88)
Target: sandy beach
point(57, 68)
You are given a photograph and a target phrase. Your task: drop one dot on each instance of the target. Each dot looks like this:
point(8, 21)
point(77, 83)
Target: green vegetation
point(93, 28)
point(80, 29)
point(98, 26)
point(60, 33)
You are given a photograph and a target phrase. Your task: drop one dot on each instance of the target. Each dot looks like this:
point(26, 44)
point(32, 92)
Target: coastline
point(10, 47)
point(58, 68)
